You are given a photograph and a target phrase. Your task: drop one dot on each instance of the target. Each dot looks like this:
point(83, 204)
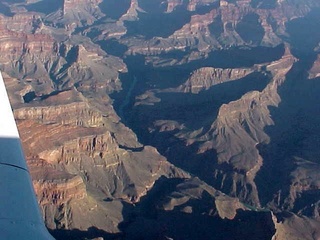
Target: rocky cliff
point(204, 78)
point(223, 25)
point(81, 155)
point(79, 158)
point(168, 119)
point(237, 129)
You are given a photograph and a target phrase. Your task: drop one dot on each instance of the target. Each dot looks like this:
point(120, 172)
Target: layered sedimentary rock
point(194, 190)
point(26, 22)
point(75, 13)
point(237, 129)
point(241, 124)
point(224, 90)
point(294, 227)
point(191, 209)
point(315, 69)
point(204, 78)
point(47, 65)
point(132, 12)
point(232, 24)
point(80, 157)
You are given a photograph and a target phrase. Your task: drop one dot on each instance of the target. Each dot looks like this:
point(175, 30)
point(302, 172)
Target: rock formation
point(204, 78)
point(168, 119)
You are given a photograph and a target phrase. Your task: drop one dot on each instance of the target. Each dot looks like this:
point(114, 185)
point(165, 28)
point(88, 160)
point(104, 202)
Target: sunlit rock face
point(315, 69)
point(80, 155)
point(232, 131)
point(204, 78)
point(222, 25)
point(168, 119)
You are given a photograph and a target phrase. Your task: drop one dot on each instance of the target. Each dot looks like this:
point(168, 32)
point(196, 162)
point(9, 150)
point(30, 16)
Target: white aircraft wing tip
point(8, 126)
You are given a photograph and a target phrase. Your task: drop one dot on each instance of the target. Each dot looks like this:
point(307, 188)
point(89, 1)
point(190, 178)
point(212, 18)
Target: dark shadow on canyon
point(114, 8)
point(198, 110)
point(76, 234)
point(155, 21)
point(167, 24)
point(150, 77)
point(296, 123)
point(296, 119)
point(194, 111)
point(303, 35)
point(250, 29)
point(45, 6)
point(264, 4)
point(148, 220)
point(5, 10)
point(235, 57)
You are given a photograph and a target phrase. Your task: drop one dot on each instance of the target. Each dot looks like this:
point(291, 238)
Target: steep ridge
point(234, 134)
point(75, 13)
point(49, 64)
point(98, 163)
point(204, 78)
point(221, 28)
point(246, 118)
point(315, 69)
point(192, 209)
point(59, 125)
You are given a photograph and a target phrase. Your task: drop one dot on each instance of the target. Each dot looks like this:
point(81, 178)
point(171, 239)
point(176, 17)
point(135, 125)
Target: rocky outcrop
point(315, 69)
point(222, 27)
point(72, 138)
point(290, 226)
point(204, 78)
point(191, 209)
point(172, 4)
point(76, 13)
point(78, 114)
point(30, 56)
point(59, 192)
point(236, 131)
point(81, 158)
point(241, 123)
point(132, 13)
point(212, 92)
point(22, 22)
point(193, 190)
point(65, 201)
point(303, 188)
point(48, 65)
point(17, 36)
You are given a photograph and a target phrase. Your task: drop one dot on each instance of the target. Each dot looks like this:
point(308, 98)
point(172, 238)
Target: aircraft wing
point(20, 216)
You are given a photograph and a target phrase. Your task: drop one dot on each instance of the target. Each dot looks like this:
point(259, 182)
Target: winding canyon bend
point(174, 119)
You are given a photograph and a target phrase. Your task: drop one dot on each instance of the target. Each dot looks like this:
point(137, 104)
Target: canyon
point(147, 119)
